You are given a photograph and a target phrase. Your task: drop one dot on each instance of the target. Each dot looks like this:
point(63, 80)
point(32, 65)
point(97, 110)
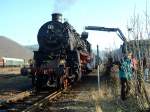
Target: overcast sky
point(20, 20)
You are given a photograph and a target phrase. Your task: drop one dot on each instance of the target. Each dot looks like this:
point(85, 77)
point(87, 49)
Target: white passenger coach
point(11, 62)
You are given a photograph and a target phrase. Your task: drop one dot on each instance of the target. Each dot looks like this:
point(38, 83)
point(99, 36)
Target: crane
point(117, 30)
point(97, 28)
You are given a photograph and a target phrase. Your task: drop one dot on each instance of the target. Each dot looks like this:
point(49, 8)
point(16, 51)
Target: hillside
point(32, 47)
point(10, 48)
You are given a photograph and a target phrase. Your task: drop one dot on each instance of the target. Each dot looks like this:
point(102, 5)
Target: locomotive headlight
point(62, 61)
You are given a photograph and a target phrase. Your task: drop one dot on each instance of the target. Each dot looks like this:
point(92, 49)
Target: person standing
point(145, 68)
point(115, 80)
point(134, 63)
point(125, 74)
point(146, 73)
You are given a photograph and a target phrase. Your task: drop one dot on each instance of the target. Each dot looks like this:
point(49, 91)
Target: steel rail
point(42, 102)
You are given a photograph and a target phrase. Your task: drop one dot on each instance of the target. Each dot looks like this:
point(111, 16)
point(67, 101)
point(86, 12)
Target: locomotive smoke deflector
point(57, 17)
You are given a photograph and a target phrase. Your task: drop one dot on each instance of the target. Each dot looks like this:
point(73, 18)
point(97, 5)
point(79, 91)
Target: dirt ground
point(12, 83)
point(78, 99)
point(86, 97)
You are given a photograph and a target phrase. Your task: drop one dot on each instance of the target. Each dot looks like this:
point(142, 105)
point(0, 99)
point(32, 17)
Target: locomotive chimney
point(57, 17)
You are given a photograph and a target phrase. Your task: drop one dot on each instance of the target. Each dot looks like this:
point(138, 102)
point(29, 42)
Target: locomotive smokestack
point(57, 17)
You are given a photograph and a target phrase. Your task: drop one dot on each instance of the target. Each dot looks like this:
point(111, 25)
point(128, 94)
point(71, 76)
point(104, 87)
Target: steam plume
point(62, 5)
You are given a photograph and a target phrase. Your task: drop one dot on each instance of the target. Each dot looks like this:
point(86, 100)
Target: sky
point(20, 20)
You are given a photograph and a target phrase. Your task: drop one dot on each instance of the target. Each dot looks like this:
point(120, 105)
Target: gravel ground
point(12, 83)
point(78, 99)
point(85, 97)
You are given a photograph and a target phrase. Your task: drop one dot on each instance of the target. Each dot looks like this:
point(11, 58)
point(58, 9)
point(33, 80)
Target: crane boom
point(97, 28)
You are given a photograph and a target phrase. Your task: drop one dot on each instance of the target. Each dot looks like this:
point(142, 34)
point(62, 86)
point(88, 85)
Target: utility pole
point(98, 61)
point(98, 67)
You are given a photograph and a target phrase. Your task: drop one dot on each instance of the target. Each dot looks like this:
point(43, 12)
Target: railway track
point(42, 102)
point(27, 101)
point(32, 102)
point(77, 99)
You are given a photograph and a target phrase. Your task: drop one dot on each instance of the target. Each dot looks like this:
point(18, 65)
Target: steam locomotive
point(62, 56)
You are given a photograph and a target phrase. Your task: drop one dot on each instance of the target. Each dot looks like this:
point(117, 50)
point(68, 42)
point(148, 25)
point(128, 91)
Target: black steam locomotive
point(62, 55)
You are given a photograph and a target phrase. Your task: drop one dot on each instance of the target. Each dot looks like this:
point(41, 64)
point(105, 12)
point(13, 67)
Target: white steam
point(62, 5)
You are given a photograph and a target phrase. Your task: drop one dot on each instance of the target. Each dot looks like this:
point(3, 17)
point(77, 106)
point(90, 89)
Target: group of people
point(129, 67)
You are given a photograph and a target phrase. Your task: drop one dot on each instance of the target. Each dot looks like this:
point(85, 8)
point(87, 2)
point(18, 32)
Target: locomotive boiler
point(62, 54)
